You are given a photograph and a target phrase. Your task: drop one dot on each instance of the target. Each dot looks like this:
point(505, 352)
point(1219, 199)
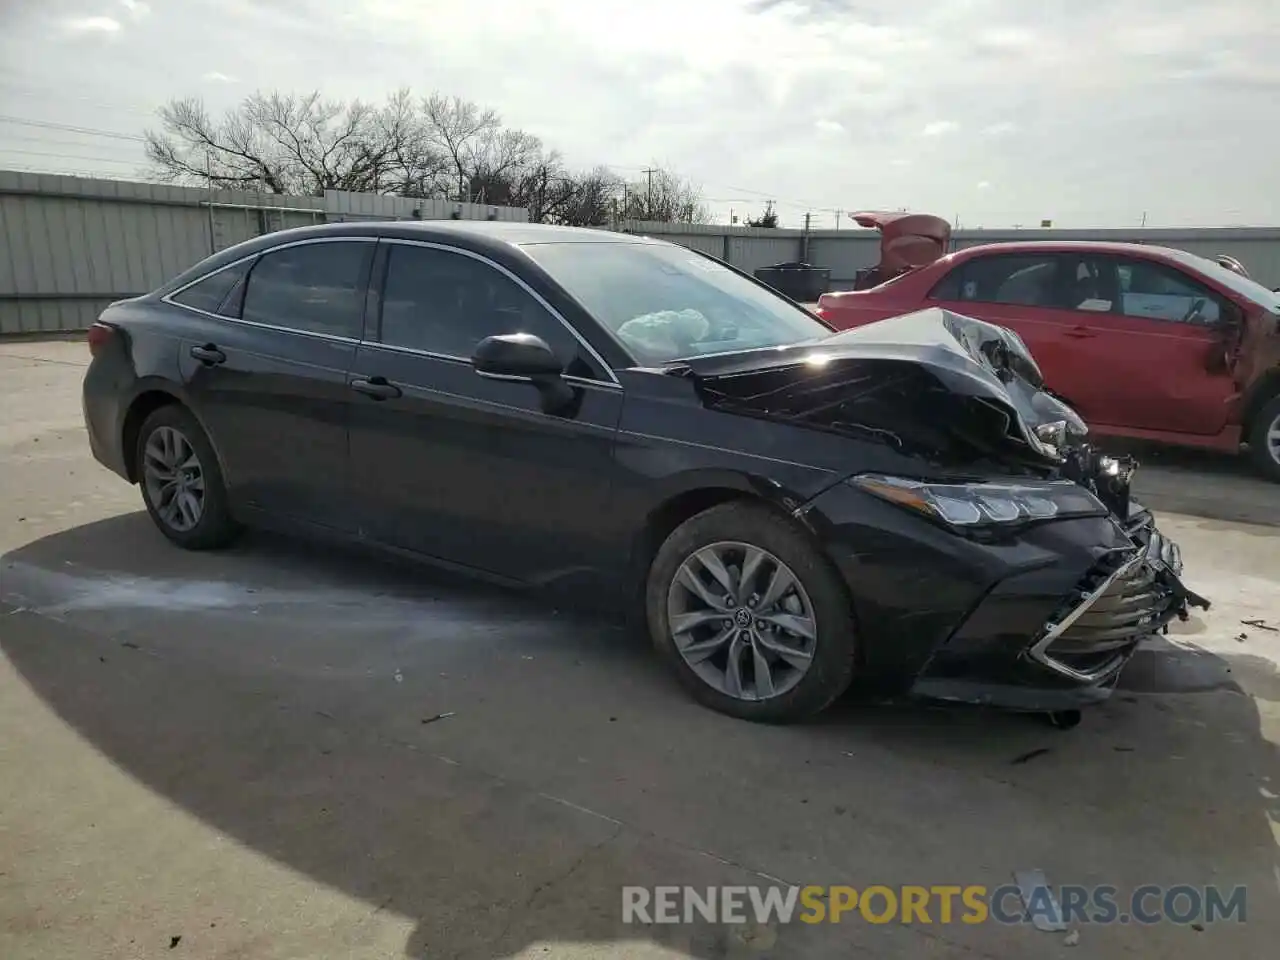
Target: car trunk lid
point(907, 240)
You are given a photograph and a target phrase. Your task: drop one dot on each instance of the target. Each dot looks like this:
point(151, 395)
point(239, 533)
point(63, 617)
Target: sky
point(1106, 113)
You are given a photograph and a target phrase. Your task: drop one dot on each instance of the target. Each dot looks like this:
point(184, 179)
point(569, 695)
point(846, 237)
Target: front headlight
point(976, 505)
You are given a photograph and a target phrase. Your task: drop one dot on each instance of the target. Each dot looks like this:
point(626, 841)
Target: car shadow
point(496, 770)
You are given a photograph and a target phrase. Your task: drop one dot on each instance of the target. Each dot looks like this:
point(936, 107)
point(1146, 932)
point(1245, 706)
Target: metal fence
point(70, 245)
point(844, 252)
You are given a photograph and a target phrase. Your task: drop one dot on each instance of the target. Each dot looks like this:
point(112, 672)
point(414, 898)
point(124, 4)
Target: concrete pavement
point(238, 755)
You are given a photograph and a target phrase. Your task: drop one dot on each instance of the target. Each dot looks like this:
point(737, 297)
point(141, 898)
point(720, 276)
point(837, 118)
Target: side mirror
point(516, 355)
point(524, 356)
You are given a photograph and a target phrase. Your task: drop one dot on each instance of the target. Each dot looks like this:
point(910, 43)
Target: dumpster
point(801, 282)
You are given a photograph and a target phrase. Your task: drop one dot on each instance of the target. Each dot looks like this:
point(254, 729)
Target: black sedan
point(645, 429)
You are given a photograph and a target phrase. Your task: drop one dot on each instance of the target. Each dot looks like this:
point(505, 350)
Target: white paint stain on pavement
point(58, 593)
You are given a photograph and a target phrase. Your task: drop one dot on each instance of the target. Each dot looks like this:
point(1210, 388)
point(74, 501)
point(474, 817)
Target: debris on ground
point(1030, 755)
point(175, 940)
point(399, 677)
point(1261, 625)
point(1038, 899)
point(1071, 939)
point(1242, 637)
point(438, 716)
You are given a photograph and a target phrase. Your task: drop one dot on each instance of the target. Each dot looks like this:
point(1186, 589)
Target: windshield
point(1231, 280)
point(666, 303)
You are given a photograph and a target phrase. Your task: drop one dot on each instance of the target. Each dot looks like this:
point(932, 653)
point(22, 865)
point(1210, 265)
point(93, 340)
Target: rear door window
point(1013, 279)
point(1154, 291)
point(311, 288)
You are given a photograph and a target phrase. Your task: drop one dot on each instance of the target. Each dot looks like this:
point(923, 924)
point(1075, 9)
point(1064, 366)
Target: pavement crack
point(545, 885)
point(573, 867)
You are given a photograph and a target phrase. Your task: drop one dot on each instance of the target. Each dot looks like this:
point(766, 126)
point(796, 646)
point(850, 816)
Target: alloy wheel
point(741, 620)
point(174, 478)
point(1273, 439)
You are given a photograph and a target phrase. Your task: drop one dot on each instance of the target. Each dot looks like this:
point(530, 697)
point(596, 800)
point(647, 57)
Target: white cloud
point(984, 184)
point(92, 25)
point(939, 128)
point(1007, 39)
point(1012, 89)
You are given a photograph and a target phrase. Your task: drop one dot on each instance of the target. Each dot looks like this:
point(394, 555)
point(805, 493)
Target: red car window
point(1026, 280)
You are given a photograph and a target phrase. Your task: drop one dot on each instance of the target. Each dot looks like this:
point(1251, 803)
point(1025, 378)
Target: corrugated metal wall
point(844, 252)
point(344, 206)
point(71, 245)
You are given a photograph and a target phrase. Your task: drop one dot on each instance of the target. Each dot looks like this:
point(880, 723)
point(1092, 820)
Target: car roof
point(471, 232)
point(1067, 246)
point(498, 240)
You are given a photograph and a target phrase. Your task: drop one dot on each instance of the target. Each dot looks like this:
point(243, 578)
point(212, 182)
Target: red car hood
point(907, 240)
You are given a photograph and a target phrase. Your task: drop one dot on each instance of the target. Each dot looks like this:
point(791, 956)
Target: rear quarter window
point(213, 294)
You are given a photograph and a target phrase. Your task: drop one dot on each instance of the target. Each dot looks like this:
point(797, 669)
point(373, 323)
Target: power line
point(35, 93)
point(71, 128)
point(71, 156)
point(56, 140)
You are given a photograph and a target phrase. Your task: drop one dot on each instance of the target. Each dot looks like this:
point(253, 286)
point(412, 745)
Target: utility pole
point(804, 240)
point(208, 178)
point(1144, 218)
point(648, 199)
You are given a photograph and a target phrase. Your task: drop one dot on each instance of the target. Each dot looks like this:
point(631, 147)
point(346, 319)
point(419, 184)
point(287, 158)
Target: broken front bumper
point(1077, 655)
point(1042, 619)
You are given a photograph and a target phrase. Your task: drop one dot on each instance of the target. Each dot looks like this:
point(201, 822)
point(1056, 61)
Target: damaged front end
point(966, 401)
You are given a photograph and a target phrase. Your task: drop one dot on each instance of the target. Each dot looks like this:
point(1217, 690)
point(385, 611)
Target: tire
point(213, 527)
point(821, 604)
point(1265, 456)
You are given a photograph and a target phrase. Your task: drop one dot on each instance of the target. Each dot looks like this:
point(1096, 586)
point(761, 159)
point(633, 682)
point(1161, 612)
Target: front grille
point(1121, 601)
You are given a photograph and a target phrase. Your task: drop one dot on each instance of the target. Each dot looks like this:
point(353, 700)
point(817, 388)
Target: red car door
point(1021, 291)
point(1129, 342)
point(1144, 340)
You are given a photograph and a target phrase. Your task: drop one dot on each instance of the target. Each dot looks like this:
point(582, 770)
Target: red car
point(1145, 342)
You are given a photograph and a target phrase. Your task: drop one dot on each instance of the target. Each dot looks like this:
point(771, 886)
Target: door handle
point(209, 354)
point(1080, 333)
point(376, 387)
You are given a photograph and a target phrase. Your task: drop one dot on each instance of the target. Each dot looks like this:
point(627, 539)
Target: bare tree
point(595, 200)
point(665, 197)
point(433, 146)
point(299, 144)
point(767, 219)
point(457, 127)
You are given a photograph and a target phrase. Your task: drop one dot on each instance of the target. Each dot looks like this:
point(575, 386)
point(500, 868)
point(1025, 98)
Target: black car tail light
point(100, 334)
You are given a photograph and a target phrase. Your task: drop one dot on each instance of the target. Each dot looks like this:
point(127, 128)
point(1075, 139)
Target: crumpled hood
point(933, 383)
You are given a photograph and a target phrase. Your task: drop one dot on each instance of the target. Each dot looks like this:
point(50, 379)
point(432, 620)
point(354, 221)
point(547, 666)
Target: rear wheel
point(181, 483)
point(1264, 440)
point(750, 617)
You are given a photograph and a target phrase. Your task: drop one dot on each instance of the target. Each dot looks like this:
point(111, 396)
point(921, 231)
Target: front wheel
point(181, 482)
point(1264, 440)
point(749, 615)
